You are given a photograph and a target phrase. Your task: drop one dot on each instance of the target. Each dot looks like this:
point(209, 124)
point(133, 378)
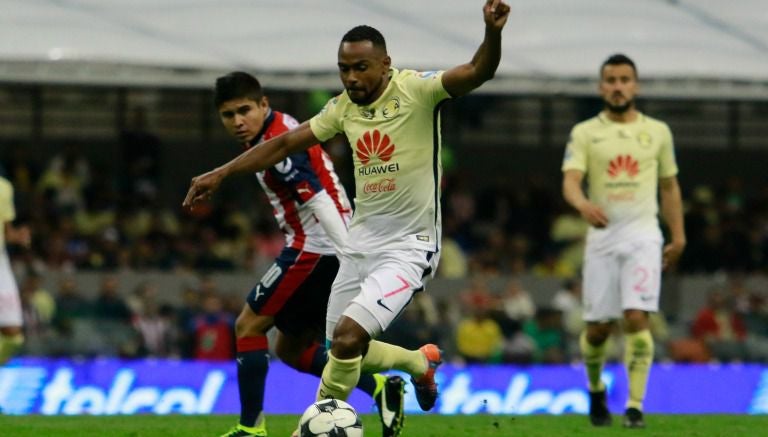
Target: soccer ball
point(330, 418)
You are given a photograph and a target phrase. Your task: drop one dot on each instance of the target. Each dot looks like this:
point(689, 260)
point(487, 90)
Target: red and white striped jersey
point(308, 201)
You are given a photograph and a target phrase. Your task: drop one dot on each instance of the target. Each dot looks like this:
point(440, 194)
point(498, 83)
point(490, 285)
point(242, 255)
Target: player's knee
point(347, 344)
point(598, 334)
point(635, 320)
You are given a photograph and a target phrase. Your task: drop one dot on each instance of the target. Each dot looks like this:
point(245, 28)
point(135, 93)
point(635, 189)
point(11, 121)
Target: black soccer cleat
point(599, 414)
point(633, 418)
point(390, 401)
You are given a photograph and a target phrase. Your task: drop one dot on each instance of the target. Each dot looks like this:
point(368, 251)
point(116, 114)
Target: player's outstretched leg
point(425, 385)
point(420, 364)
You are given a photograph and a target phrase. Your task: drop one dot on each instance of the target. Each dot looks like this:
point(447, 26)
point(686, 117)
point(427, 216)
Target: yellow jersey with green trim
point(395, 145)
point(7, 211)
point(622, 163)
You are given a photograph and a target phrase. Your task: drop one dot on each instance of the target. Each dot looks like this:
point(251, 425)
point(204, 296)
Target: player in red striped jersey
point(312, 210)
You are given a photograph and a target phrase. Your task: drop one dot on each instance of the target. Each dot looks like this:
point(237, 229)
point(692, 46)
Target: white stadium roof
point(683, 48)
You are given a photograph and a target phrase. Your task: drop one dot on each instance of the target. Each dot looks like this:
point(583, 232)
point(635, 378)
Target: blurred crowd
point(481, 323)
point(85, 219)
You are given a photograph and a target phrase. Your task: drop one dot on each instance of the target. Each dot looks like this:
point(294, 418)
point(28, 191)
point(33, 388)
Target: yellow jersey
point(7, 210)
point(396, 153)
point(622, 163)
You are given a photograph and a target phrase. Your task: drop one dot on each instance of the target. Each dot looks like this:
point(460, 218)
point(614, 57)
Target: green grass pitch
point(416, 426)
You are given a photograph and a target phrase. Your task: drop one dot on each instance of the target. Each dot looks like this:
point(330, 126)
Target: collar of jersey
point(267, 122)
point(604, 118)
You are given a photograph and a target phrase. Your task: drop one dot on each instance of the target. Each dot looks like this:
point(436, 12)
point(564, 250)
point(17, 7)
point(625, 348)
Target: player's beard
point(619, 109)
point(358, 100)
point(368, 97)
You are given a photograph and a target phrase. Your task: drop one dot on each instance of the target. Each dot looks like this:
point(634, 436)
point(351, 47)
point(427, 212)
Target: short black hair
point(237, 85)
point(619, 59)
point(365, 33)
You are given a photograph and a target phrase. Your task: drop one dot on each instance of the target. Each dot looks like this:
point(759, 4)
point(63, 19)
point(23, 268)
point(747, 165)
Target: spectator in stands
point(41, 299)
point(453, 259)
point(70, 305)
point(703, 226)
point(546, 332)
point(109, 305)
point(721, 329)
point(143, 294)
point(567, 300)
point(517, 303)
point(478, 336)
point(140, 150)
point(156, 327)
point(64, 182)
point(112, 319)
point(185, 318)
point(551, 265)
point(213, 331)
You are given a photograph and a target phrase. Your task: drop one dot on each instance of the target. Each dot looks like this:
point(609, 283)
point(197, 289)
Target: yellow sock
point(9, 345)
point(594, 360)
point(384, 356)
point(638, 357)
point(339, 378)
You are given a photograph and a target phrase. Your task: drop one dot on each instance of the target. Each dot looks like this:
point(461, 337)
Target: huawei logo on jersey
point(374, 144)
point(623, 163)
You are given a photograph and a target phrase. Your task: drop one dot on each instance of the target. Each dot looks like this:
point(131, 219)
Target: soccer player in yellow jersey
point(628, 158)
point(391, 119)
point(11, 335)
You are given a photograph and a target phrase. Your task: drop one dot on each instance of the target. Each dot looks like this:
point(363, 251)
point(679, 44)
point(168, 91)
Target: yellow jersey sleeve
point(429, 87)
point(327, 123)
point(667, 161)
point(7, 210)
point(575, 157)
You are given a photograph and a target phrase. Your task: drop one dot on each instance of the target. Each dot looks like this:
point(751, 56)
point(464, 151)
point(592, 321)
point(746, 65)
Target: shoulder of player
point(587, 126)
point(283, 121)
point(407, 77)
point(339, 101)
point(654, 122)
point(5, 185)
point(595, 122)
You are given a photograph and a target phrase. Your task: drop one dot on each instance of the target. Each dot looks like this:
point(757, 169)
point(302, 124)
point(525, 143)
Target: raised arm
point(462, 79)
point(255, 159)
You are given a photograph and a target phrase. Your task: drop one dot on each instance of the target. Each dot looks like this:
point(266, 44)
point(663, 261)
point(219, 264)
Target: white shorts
point(374, 288)
point(627, 276)
point(10, 306)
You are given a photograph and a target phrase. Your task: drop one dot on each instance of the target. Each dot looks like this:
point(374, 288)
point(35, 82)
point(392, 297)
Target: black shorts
point(295, 291)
